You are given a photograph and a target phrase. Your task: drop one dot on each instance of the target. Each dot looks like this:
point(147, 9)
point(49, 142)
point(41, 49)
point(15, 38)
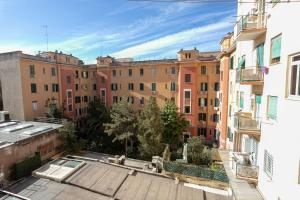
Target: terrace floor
point(241, 189)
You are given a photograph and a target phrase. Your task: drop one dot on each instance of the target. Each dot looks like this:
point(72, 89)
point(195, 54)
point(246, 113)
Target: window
point(202, 131)
point(295, 76)
point(187, 101)
point(268, 163)
point(142, 100)
point(173, 86)
point(129, 72)
point(53, 71)
point(31, 71)
point(77, 99)
point(76, 87)
point(153, 87)
point(153, 71)
point(76, 74)
point(114, 86)
point(275, 49)
point(94, 87)
point(46, 87)
point(202, 117)
point(187, 78)
point(44, 70)
point(204, 87)
point(94, 74)
point(217, 69)
point(85, 74)
point(33, 88)
point(187, 94)
point(173, 70)
point(130, 100)
point(141, 72)
point(114, 73)
point(202, 102)
point(217, 86)
point(69, 94)
point(70, 108)
point(115, 99)
point(141, 86)
point(55, 88)
point(217, 102)
point(272, 107)
point(203, 70)
point(34, 106)
point(130, 86)
point(260, 55)
point(85, 99)
point(215, 118)
point(68, 79)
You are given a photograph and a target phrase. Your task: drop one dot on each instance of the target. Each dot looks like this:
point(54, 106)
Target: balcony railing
point(244, 122)
point(243, 168)
point(251, 26)
point(251, 76)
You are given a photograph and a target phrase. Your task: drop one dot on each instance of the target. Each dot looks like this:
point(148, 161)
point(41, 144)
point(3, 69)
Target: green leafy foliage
point(97, 140)
point(198, 153)
point(67, 133)
point(174, 124)
point(123, 125)
point(24, 168)
point(150, 126)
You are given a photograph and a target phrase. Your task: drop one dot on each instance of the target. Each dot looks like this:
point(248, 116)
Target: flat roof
point(99, 180)
point(15, 131)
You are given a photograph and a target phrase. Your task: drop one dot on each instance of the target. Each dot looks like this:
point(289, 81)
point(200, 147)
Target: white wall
point(282, 137)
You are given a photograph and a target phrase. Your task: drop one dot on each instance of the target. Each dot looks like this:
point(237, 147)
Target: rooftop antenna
point(46, 33)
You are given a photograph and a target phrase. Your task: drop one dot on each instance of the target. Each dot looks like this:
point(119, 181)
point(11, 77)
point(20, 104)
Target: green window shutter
point(258, 99)
point(231, 62)
point(272, 107)
point(241, 64)
point(276, 47)
point(241, 100)
point(260, 55)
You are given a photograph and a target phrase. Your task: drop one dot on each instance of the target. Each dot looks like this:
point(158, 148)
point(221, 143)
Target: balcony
point(243, 167)
point(250, 27)
point(251, 76)
point(244, 123)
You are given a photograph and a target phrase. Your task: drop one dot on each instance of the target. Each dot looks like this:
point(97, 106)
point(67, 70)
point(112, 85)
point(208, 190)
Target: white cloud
point(169, 40)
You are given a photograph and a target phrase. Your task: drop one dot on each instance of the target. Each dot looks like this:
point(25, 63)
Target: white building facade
point(267, 97)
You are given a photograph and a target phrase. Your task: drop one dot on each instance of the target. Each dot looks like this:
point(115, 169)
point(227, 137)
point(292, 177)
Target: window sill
point(293, 98)
point(275, 63)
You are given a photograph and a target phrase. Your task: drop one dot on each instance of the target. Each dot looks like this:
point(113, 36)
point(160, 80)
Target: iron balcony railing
point(247, 123)
point(242, 166)
point(251, 22)
point(253, 74)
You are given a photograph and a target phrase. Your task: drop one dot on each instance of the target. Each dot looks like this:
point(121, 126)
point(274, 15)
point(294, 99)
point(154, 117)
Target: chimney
point(4, 116)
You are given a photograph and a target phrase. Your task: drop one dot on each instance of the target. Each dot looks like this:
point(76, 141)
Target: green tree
point(150, 126)
point(174, 124)
point(198, 153)
point(97, 115)
point(123, 125)
point(70, 140)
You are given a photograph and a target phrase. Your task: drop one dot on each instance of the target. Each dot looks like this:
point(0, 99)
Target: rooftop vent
point(4, 116)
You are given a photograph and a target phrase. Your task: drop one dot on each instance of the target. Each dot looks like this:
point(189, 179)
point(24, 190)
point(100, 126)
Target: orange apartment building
point(191, 81)
point(226, 64)
point(54, 78)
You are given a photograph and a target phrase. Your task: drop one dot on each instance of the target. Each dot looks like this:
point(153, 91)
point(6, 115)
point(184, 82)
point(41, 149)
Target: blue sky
point(121, 28)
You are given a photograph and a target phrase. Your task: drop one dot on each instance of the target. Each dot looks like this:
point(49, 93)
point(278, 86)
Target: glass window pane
point(293, 80)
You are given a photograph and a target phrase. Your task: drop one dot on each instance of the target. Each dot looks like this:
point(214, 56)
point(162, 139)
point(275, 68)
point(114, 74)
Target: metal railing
point(244, 170)
point(251, 21)
point(253, 74)
point(247, 123)
point(48, 120)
